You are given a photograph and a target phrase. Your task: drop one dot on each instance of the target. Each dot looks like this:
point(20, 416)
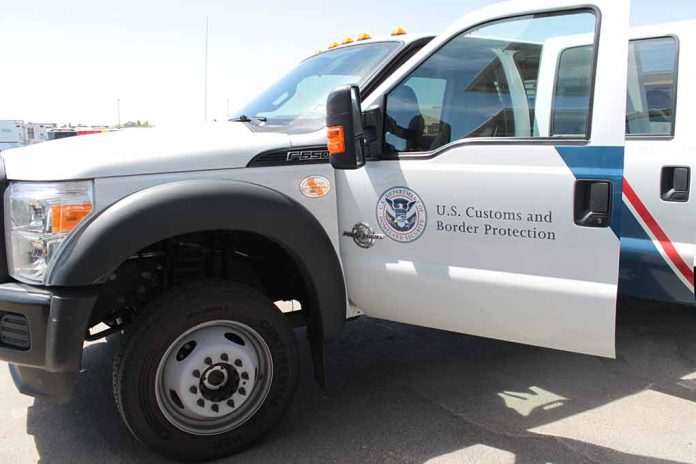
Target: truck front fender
point(94, 251)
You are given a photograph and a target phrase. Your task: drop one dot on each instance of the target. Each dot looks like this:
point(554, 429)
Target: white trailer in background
point(11, 134)
point(17, 133)
point(36, 132)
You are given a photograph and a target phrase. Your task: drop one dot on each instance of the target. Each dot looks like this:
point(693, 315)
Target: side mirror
point(345, 128)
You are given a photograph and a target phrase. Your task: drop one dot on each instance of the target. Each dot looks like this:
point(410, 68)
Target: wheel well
point(244, 257)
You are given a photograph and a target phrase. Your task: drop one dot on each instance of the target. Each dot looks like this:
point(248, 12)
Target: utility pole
point(205, 75)
point(118, 113)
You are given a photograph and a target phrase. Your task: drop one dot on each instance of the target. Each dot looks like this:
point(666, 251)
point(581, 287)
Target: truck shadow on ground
point(407, 394)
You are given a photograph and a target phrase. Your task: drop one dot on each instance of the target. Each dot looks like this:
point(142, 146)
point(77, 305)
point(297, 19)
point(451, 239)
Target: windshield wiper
point(245, 118)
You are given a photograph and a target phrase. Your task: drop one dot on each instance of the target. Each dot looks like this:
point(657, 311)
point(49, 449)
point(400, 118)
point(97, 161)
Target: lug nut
point(196, 373)
point(200, 403)
point(193, 390)
point(238, 362)
point(224, 357)
point(215, 408)
point(242, 391)
point(208, 361)
point(245, 375)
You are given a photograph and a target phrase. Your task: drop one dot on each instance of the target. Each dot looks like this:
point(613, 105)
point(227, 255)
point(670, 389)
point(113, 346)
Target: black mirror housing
point(373, 131)
point(343, 111)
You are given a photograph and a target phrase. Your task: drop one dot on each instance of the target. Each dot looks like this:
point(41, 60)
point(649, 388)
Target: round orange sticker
point(315, 186)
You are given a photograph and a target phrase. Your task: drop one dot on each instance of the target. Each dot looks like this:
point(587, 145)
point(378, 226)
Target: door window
point(483, 83)
point(417, 104)
point(652, 78)
point(572, 93)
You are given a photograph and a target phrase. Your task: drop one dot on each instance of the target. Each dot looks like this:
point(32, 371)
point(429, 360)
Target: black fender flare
point(99, 246)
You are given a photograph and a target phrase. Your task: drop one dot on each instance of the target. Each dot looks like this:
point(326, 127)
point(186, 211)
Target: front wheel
point(205, 371)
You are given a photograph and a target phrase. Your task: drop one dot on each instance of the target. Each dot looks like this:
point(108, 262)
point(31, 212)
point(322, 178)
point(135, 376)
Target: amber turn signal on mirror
point(337, 141)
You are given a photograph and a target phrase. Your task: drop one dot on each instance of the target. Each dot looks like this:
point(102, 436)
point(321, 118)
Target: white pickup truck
point(658, 218)
point(487, 188)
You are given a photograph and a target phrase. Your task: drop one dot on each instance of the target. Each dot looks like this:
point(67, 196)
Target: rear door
point(490, 227)
point(657, 254)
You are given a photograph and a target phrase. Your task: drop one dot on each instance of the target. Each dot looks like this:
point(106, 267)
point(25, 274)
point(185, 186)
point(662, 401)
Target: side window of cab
point(483, 84)
point(652, 81)
point(651, 89)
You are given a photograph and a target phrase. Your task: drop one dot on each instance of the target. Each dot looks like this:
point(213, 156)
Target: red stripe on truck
point(658, 233)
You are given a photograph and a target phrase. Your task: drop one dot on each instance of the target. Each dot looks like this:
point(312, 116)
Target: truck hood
point(141, 151)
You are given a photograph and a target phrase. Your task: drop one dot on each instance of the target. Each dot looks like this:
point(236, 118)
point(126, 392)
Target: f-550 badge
point(308, 155)
point(363, 235)
point(401, 214)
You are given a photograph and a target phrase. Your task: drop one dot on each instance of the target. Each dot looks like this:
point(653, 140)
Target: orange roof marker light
point(337, 140)
point(398, 31)
point(347, 40)
point(334, 45)
point(364, 36)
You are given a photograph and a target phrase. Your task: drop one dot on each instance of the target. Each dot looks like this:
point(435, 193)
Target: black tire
point(147, 340)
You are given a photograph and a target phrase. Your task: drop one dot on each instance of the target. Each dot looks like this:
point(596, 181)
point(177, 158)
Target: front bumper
point(43, 341)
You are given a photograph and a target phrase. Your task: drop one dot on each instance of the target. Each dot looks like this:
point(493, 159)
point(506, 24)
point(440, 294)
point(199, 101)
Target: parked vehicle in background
point(61, 133)
point(10, 134)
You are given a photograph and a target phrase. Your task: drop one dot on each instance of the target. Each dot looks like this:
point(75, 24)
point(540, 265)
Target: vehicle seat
point(406, 126)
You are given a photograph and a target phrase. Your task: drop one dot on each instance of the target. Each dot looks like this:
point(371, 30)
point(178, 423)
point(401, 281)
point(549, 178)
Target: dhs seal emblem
point(401, 214)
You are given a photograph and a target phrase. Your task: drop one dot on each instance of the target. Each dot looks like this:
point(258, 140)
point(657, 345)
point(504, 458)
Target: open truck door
point(471, 214)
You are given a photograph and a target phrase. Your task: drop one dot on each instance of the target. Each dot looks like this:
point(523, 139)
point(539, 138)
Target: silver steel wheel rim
point(214, 377)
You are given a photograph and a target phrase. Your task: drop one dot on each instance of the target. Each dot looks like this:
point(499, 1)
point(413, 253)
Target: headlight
point(38, 217)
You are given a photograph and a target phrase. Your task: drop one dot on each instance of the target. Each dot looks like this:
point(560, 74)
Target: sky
point(71, 61)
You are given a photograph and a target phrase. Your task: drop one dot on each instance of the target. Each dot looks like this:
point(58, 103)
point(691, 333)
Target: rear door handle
point(675, 182)
point(593, 203)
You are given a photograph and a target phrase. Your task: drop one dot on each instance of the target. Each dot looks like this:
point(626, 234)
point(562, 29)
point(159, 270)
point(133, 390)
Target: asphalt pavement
point(403, 394)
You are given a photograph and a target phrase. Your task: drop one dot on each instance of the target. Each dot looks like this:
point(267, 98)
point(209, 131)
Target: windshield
point(297, 103)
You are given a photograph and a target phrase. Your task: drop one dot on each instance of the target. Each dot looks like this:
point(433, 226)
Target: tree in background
point(137, 123)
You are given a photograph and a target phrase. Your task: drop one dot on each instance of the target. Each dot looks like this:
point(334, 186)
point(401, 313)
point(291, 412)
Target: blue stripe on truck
point(643, 272)
point(599, 163)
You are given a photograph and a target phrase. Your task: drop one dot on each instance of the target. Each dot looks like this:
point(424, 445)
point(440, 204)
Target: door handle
point(593, 203)
point(674, 185)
